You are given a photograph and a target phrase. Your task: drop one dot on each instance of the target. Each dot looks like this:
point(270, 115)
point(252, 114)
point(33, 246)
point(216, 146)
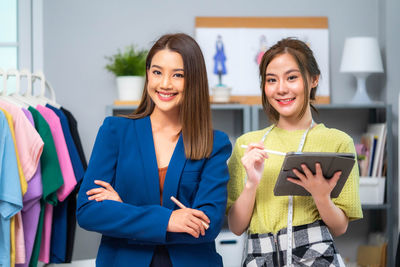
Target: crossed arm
point(181, 221)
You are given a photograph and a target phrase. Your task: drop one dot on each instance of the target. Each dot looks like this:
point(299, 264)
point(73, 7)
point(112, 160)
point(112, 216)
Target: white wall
point(78, 34)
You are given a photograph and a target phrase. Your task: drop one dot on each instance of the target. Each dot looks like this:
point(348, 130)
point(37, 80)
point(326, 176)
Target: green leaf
point(131, 62)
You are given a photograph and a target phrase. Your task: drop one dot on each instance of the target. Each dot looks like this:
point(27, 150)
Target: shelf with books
point(371, 150)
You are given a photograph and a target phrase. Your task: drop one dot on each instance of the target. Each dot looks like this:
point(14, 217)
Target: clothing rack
point(44, 166)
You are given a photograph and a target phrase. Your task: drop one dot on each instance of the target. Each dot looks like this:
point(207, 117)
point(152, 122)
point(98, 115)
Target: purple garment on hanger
point(31, 208)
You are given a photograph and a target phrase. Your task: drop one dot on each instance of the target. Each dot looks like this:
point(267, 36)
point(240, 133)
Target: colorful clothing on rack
point(24, 186)
point(29, 149)
point(62, 152)
point(52, 178)
point(10, 188)
point(71, 210)
point(41, 150)
point(67, 175)
point(29, 143)
point(59, 235)
point(72, 149)
point(31, 209)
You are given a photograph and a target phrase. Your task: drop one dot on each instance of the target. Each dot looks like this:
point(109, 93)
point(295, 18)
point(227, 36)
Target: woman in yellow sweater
point(289, 79)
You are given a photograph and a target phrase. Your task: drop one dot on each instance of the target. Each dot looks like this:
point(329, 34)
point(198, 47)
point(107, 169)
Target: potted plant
point(129, 67)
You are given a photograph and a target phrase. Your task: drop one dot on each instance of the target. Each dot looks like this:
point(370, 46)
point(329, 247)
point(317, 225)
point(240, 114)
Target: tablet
point(330, 163)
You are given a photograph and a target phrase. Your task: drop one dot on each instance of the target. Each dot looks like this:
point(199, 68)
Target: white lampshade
point(361, 57)
point(361, 54)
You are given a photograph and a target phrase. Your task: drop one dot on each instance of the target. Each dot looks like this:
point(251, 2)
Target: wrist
point(251, 185)
point(324, 200)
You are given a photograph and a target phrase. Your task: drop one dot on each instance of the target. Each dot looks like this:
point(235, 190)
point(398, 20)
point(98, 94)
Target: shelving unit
point(236, 119)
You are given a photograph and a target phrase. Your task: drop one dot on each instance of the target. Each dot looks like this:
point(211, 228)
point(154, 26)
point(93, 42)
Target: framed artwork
point(233, 47)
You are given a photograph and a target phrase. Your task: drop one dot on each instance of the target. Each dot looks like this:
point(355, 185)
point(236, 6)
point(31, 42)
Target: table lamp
point(361, 57)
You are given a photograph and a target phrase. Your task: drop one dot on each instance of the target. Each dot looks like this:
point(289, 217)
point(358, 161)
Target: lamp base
point(361, 96)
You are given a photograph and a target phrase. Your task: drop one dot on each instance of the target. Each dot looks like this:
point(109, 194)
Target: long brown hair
point(195, 114)
point(308, 67)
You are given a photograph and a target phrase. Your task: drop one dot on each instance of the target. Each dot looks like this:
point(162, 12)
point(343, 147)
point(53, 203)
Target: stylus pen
point(269, 151)
point(180, 205)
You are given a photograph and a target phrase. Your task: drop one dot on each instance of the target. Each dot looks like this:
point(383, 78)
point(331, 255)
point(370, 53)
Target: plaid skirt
point(312, 246)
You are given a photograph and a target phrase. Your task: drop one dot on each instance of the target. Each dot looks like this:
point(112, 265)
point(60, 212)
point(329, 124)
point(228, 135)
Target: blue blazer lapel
point(151, 183)
point(172, 178)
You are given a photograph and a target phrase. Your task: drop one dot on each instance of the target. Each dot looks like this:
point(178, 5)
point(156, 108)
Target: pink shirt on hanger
point(67, 173)
point(19, 240)
point(29, 143)
point(62, 152)
point(44, 254)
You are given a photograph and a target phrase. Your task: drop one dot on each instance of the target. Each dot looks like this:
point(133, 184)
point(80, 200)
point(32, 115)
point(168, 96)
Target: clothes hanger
point(41, 98)
point(27, 98)
point(4, 95)
point(52, 101)
point(17, 95)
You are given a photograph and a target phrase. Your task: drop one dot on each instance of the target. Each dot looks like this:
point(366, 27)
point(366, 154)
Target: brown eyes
point(178, 75)
point(290, 78)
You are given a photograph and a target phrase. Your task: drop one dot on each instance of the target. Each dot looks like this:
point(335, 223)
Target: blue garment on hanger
point(59, 235)
point(72, 150)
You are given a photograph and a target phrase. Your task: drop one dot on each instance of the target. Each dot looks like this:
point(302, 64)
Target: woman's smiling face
point(166, 80)
point(284, 86)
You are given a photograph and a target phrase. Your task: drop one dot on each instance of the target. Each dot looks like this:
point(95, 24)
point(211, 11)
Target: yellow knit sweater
point(270, 212)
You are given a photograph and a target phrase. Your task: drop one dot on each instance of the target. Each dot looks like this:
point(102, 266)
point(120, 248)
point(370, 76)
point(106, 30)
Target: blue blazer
point(124, 156)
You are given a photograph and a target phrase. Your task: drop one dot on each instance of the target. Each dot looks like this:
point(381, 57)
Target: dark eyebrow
point(287, 72)
point(292, 70)
point(159, 67)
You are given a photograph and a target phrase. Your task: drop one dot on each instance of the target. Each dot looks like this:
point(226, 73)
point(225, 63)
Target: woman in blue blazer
point(165, 148)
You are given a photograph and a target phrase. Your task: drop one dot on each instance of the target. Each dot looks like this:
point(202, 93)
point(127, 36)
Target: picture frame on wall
point(233, 48)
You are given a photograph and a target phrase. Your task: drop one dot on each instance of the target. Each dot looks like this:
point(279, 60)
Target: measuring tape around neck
point(289, 228)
